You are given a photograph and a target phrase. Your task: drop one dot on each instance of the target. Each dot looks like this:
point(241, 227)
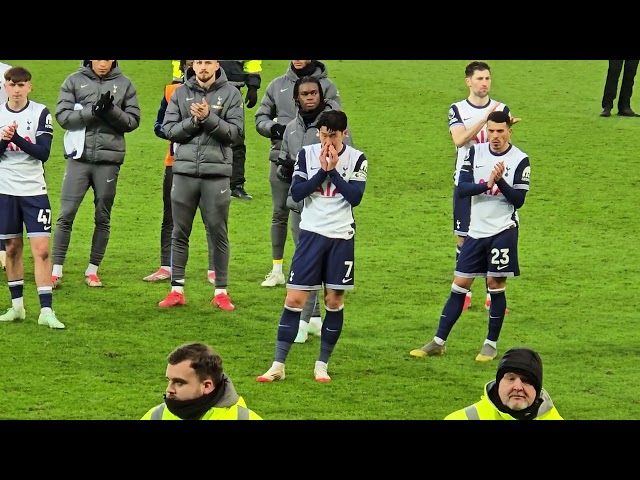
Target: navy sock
point(16, 287)
point(496, 313)
point(331, 330)
point(287, 332)
point(46, 296)
point(451, 311)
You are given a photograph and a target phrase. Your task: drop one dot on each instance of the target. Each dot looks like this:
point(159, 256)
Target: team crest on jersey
point(115, 88)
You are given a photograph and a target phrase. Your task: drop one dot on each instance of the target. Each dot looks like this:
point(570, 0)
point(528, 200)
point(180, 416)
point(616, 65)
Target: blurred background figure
point(628, 68)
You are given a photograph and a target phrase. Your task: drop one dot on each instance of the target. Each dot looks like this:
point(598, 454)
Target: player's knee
point(496, 284)
point(295, 299)
point(334, 300)
point(13, 247)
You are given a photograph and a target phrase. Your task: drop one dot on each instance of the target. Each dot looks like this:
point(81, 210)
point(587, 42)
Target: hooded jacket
point(278, 105)
point(485, 409)
point(230, 406)
point(204, 150)
point(104, 136)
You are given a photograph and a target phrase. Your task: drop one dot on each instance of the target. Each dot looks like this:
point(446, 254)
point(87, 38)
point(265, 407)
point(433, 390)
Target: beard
point(204, 77)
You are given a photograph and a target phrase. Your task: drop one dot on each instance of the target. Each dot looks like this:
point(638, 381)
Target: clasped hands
point(328, 157)
point(103, 105)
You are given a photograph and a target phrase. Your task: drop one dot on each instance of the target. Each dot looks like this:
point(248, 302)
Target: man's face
point(17, 92)
point(184, 384)
point(515, 392)
point(480, 83)
point(300, 64)
point(499, 136)
point(334, 138)
point(308, 96)
point(205, 69)
point(101, 67)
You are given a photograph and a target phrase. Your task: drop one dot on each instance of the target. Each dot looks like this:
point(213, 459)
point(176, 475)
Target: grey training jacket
point(104, 140)
point(204, 150)
point(278, 103)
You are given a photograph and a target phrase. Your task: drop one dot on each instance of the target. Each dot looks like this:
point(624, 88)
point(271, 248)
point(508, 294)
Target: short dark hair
point(206, 362)
point(476, 67)
point(17, 75)
point(333, 120)
point(499, 116)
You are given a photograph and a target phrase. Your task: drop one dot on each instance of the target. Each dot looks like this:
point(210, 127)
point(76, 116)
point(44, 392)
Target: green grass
point(574, 302)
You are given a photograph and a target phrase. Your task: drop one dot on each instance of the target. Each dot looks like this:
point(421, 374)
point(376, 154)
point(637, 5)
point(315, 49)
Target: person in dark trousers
point(628, 68)
point(242, 73)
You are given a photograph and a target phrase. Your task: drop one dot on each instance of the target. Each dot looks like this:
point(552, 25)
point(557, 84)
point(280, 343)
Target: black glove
point(103, 105)
point(252, 97)
point(277, 131)
point(284, 173)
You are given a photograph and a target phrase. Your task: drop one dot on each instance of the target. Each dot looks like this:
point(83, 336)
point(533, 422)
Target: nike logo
point(345, 280)
point(465, 119)
point(314, 168)
point(222, 191)
point(329, 330)
point(109, 180)
point(479, 166)
point(502, 267)
point(189, 99)
point(47, 228)
point(283, 90)
point(82, 86)
point(290, 133)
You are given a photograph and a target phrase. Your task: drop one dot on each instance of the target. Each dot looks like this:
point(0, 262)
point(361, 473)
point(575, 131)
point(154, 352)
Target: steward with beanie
point(515, 394)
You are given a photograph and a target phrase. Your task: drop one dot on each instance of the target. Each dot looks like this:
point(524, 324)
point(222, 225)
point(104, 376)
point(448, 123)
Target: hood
point(190, 78)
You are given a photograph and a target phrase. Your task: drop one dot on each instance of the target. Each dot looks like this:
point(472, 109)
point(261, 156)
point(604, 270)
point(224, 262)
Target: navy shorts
point(322, 260)
point(34, 213)
point(495, 256)
point(461, 214)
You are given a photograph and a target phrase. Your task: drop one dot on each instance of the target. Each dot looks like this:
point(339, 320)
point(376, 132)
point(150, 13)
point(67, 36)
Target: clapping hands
point(9, 131)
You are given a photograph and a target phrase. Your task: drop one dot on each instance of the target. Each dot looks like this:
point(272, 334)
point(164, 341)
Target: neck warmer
point(195, 408)
point(306, 70)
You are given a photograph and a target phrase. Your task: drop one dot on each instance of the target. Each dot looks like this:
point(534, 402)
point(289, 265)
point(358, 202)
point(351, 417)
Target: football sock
point(91, 270)
point(331, 330)
point(287, 331)
point(451, 311)
point(277, 266)
point(496, 313)
point(16, 288)
point(46, 296)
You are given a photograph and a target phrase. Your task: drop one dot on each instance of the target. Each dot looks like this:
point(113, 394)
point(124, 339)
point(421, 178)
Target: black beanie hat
point(523, 361)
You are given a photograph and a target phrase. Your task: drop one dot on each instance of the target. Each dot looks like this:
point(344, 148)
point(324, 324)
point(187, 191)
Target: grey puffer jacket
point(204, 150)
point(104, 140)
point(278, 105)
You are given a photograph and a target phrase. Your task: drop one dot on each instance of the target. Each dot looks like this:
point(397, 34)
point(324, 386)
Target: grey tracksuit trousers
point(78, 177)
point(212, 196)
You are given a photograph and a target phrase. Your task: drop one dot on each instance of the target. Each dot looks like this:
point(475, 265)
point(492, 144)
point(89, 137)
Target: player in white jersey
point(467, 126)
point(26, 133)
point(331, 178)
point(3, 98)
point(496, 177)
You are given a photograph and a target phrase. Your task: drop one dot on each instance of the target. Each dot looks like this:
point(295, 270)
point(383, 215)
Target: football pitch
point(573, 303)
